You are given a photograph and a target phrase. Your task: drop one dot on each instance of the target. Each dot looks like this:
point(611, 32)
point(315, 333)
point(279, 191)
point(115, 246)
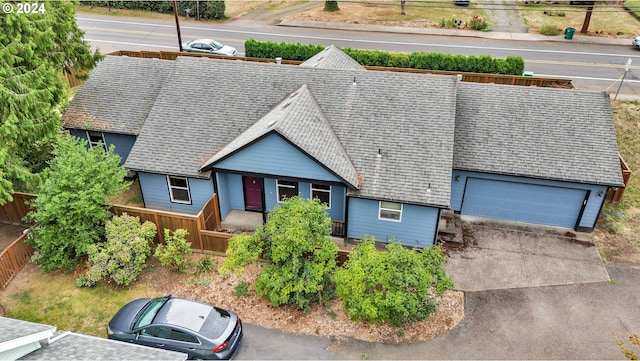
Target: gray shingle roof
point(408, 118)
point(546, 133)
point(123, 105)
point(332, 57)
point(299, 119)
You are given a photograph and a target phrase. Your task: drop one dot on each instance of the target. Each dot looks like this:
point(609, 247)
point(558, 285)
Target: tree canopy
point(70, 210)
point(36, 50)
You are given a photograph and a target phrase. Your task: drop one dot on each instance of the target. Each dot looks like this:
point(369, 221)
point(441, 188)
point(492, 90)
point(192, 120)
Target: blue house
point(387, 152)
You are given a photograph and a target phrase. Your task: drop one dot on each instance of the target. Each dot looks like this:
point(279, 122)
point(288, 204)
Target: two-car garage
point(524, 202)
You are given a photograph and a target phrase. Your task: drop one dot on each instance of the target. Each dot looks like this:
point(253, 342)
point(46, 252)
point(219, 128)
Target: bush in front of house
point(512, 65)
point(173, 253)
point(296, 240)
point(397, 286)
point(123, 256)
point(70, 210)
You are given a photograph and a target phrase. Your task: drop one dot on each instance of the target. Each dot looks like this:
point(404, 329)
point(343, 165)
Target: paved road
point(559, 323)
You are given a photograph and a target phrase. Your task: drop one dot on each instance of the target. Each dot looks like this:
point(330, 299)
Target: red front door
point(252, 193)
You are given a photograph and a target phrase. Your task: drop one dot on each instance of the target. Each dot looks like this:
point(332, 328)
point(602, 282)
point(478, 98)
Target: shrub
point(303, 256)
point(478, 23)
point(206, 265)
point(549, 30)
point(123, 256)
point(173, 252)
point(394, 286)
point(70, 210)
point(241, 290)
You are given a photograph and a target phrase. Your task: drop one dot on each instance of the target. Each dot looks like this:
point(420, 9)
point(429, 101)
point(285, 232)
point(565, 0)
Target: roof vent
point(285, 105)
point(379, 155)
point(271, 123)
point(278, 60)
point(293, 95)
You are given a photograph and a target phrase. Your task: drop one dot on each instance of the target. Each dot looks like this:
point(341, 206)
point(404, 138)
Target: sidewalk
point(577, 38)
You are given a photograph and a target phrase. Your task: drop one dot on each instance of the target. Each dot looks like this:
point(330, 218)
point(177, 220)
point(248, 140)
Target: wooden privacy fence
point(468, 77)
point(13, 258)
point(207, 219)
point(14, 212)
point(615, 195)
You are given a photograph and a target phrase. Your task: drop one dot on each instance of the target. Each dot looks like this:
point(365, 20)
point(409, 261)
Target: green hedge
point(512, 65)
point(209, 9)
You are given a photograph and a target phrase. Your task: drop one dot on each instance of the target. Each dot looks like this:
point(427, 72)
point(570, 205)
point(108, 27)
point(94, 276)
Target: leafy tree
point(303, 257)
point(173, 253)
point(123, 256)
point(35, 51)
point(70, 210)
point(394, 286)
point(331, 6)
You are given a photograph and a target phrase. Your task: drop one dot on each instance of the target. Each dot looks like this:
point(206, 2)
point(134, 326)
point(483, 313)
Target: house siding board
point(155, 191)
point(273, 155)
point(122, 144)
point(545, 187)
point(236, 192)
point(270, 193)
point(418, 227)
point(223, 194)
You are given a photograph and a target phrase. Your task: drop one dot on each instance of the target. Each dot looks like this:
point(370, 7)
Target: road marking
point(366, 41)
point(136, 44)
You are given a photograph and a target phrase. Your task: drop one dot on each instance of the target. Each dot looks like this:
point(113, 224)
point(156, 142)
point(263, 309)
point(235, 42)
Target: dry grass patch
point(607, 20)
point(419, 14)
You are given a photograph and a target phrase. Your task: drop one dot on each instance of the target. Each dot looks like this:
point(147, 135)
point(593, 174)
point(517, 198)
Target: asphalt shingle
point(407, 119)
point(332, 57)
point(298, 118)
point(123, 105)
point(545, 133)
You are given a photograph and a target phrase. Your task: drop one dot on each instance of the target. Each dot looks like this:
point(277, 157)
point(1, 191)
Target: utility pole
point(175, 13)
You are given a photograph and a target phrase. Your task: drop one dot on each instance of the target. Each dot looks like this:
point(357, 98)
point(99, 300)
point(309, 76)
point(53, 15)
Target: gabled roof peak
point(299, 120)
point(332, 57)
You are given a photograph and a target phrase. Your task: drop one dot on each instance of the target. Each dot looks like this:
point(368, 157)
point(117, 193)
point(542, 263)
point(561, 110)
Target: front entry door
point(252, 193)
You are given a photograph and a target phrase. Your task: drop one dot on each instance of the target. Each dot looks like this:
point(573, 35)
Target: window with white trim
point(390, 211)
point(179, 189)
point(96, 139)
point(286, 189)
point(322, 192)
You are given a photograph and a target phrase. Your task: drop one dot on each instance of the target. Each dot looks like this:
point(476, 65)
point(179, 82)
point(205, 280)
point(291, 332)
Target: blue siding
point(586, 221)
point(155, 191)
point(273, 155)
point(236, 192)
point(122, 143)
point(231, 195)
point(223, 194)
point(418, 227)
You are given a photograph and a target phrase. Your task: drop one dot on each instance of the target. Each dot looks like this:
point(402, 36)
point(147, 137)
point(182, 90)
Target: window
point(183, 336)
point(286, 189)
point(155, 331)
point(96, 139)
point(322, 192)
point(179, 189)
point(390, 211)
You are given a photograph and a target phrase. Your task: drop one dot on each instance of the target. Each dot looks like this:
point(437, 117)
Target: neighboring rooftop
point(23, 340)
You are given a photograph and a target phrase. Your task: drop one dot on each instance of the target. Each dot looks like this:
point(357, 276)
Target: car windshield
point(148, 313)
point(216, 45)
